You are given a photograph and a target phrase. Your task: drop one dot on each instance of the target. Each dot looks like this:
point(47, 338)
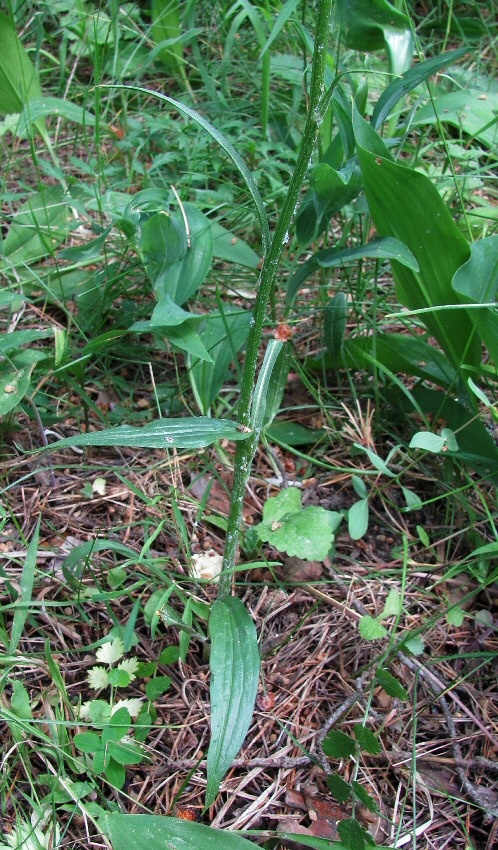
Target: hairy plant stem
point(246, 449)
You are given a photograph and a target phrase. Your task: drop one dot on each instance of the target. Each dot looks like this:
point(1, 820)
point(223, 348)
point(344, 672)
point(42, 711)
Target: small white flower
point(207, 565)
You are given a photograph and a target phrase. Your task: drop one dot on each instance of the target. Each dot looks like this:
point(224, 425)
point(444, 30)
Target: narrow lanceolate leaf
point(235, 667)
point(23, 601)
point(227, 146)
point(193, 433)
point(401, 86)
point(258, 407)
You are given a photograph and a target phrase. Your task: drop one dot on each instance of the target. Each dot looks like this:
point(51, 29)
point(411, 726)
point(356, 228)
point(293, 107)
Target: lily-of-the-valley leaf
point(197, 432)
point(235, 665)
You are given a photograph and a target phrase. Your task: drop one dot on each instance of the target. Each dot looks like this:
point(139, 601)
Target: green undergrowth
point(242, 244)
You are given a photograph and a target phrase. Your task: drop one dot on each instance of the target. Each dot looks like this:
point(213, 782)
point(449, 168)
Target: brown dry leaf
point(219, 495)
point(218, 499)
point(324, 814)
point(296, 569)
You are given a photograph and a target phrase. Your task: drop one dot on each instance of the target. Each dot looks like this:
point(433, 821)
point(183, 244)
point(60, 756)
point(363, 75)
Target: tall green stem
point(246, 449)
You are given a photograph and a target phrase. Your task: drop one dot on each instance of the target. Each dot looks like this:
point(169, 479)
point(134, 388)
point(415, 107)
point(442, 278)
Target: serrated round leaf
point(169, 655)
point(235, 665)
point(339, 789)
point(20, 702)
point(98, 678)
point(337, 745)
point(455, 616)
point(364, 797)
point(306, 534)
point(414, 645)
point(391, 685)
point(99, 711)
point(110, 652)
point(371, 629)
point(288, 501)
point(392, 606)
point(366, 739)
point(352, 834)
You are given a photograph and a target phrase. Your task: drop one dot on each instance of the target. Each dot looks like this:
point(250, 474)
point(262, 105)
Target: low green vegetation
point(248, 362)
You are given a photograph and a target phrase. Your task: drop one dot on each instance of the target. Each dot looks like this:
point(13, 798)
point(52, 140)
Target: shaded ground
point(437, 768)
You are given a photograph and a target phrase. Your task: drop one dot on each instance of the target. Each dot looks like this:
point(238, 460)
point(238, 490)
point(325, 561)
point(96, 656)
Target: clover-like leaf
point(133, 706)
point(111, 651)
point(130, 665)
point(98, 678)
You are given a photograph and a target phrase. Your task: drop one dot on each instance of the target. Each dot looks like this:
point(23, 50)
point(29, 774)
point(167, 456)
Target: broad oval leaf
point(87, 742)
point(194, 433)
point(391, 685)
point(387, 248)
point(38, 226)
point(166, 26)
point(405, 204)
point(366, 739)
point(358, 519)
point(18, 79)
point(227, 246)
point(182, 279)
point(334, 326)
point(223, 333)
point(235, 665)
point(38, 108)
point(434, 443)
point(14, 384)
point(477, 281)
point(363, 22)
point(145, 832)
point(162, 242)
point(468, 111)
